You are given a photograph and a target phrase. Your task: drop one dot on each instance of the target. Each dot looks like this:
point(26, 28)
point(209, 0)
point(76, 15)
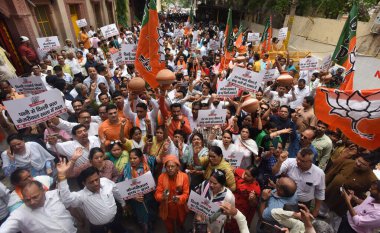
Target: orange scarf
point(184, 66)
point(138, 120)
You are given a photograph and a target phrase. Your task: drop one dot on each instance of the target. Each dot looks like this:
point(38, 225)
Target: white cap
point(24, 38)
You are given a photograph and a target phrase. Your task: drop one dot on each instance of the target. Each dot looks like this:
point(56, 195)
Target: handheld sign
point(81, 23)
point(30, 85)
point(253, 37)
point(109, 30)
point(129, 53)
point(234, 159)
point(48, 43)
point(269, 75)
point(309, 63)
point(177, 33)
point(118, 58)
point(214, 45)
point(143, 184)
point(194, 42)
point(211, 117)
point(282, 33)
point(326, 63)
point(245, 79)
point(224, 90)
point(202, 205)
point(35, 109)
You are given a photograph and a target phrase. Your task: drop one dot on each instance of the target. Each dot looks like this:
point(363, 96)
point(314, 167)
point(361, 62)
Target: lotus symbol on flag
point(356, 107)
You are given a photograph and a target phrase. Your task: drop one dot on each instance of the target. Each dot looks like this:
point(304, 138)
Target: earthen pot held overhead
point(250, 105)
point(136, 85)
point(285, 79)
point(165, 78)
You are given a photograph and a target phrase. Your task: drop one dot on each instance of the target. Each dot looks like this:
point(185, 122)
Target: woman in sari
point(247, 146)
point(246, 194)
point(143, 206)
point(215, 190)
point(158, 141)
point(118, 156)
point(137, 140)
point(225, 144)
point(191, 159)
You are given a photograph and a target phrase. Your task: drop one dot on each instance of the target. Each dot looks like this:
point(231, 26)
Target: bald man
point(284, 193)
point(43, 212)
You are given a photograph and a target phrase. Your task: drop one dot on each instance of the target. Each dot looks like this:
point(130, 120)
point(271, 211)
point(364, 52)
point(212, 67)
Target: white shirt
point(300, 95)
point(284, 100)
point(74, 65)
point(99, 208)
point(4, 198)
point(310, 184)
point(52, 217)
point(99, 79)
point(232, 148)
point(68, 148)
point(67, 126)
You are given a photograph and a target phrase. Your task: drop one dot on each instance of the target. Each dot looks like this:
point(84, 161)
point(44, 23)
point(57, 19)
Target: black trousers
point(345, 227)
point(115, 226)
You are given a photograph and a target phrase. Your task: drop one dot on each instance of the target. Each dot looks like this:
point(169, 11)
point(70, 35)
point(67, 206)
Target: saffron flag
point(150, 46)
point(228, 42)
point(266, 38)
point(190, 22)
point(355, 113)
point(345, 51)
point(239, 37)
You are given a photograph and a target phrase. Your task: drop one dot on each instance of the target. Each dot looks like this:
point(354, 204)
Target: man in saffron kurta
point(174, 119)
point(172, 193)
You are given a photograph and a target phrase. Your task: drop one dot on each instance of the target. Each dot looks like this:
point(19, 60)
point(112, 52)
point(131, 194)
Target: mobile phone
point(149, 137)
point(291, 207)
point(269, 227)
point(261, 150)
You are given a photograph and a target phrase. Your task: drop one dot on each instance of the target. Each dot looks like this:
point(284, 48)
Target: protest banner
point(214, 45)
point(48, 43)
point(81, 23)
point(31, 85)
point(309, 63)
point(129, 53)
point(178, 33)
point(253, 37)
point(282, 33)
point(326, 63)
point(245, 79)
point(269, 75)
point(118, 58)
point(143, 184)
point(235, 158)
point(224, 90)
point(202, 205)
point(35, 109)
point(211, 117)
point(109, 30)
point(194, 42)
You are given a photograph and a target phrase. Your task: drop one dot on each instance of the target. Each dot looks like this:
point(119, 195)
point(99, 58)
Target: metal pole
point(293, 8)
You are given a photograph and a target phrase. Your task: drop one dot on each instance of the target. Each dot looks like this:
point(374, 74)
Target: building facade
point(43, 18)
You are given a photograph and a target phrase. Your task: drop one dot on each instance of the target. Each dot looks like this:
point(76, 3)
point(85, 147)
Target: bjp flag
point(355, 113)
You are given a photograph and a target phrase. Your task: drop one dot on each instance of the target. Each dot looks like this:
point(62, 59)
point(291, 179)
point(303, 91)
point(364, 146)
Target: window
point(43, 20)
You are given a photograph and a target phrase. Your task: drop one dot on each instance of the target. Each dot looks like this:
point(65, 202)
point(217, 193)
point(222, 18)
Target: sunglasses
point(115, 142)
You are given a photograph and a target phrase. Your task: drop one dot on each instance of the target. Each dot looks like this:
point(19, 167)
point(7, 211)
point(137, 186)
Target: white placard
point(225, 90)
point(309, 63)
point(194, 42)
point(253, 36)
point(129, 53)
point(35, 109)
point(109, 30)
point(282, 33)
point(211, 117)
point(32, 85)
point(81, 23)
point(245, 79)
point(48, 43)
point(214, 45)
point(235, 158)
point(326, 63)
point(202, 205)
point(269, 75)
point(143, 184)
point(118, 58)
point(178, 33)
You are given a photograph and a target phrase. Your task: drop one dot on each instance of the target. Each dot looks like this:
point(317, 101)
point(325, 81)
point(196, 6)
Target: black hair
point(216, 150)
point(228, 132)
point(57, 68)
point(93, 151)
point(137, 152)
point(220, 176)
point(83, 111)
point(60, 84)
point(75, 128)
point(100, 68)
point(142, 105)
point(14, 136)
point(372, 158)
point(117, 93)
point(87, 173)
point(175, 105)
point(101, 94)
point(112, 144)
point(34, 182)
point(133, 130)
point(198, 135)
point(323, 123)
point(302, 80)
point(15, 177)
point(309, 99)
point(306, 151)
point(111, 106)
point(180, 132)
point(253, 170)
